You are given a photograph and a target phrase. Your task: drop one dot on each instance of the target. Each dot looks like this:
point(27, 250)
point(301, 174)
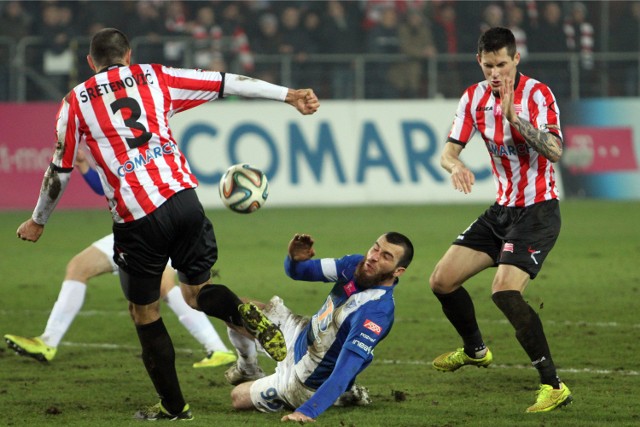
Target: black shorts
point(517, 236)
point(178, 230)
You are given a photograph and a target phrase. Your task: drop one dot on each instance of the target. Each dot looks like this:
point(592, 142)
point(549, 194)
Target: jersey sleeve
point(319, 270)
point(545, 112)
point(312, 270)
point(67, 136)
point(463, 127)
point(93, 180)
point(188, 88)
point(347, 367)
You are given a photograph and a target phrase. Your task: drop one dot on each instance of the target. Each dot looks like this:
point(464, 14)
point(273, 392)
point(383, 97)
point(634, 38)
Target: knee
point(144, 314)
point(440, 282)
point(78, 270)
point(239, 397)
point(191, 300)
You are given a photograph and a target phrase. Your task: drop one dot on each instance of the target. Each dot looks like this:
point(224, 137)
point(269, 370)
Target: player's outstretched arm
point(304, 100)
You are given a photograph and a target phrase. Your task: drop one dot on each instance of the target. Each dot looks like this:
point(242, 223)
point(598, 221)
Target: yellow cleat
point(32, 347)
point(216, 358)
point(454, 360)
point(549, 398)
point(158, 412)
point(268, 334)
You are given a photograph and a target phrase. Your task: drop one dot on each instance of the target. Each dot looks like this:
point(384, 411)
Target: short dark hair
point(495, 39)
point(401, 240)
point(108, 46)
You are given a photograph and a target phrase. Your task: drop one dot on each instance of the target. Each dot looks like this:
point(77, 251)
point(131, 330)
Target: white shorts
point(105, 245)
point(282, 389)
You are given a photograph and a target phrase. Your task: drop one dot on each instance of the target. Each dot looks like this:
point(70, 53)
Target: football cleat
point(235, 375)
point(158, 412)
point(451, 361)
point(357, 395)
point(549, 398)
point(32, 347)
point(268, 334)
point(216, 358)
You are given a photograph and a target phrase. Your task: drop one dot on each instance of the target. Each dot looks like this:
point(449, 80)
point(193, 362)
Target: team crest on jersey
point(518, 108)
point(372, 326)
point(349, 288)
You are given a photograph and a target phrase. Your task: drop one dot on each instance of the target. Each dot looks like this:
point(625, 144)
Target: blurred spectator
point(15, 23)
point(416, 41)
point(57, 32)
point(176, 25)
point(314, 73)
point(492, 16)
point(626, 38)
point(207, 35)
point(267, 42)
point(294, 41)
point(96, 15)
point(341, 36)
point(515, 22)
point(147, 23)
point(448, 37)
point(581, 39)
point(549, 37)
point(383, 77)
point(235, 43)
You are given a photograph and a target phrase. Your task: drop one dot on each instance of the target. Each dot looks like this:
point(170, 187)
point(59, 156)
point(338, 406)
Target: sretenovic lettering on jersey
point(142, 159)
point(139, 79)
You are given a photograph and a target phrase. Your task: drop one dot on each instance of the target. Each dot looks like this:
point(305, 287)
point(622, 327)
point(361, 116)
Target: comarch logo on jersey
point(143, 159)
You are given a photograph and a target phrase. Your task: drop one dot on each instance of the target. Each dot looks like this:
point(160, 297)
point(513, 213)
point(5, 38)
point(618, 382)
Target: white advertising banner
point(348, 153)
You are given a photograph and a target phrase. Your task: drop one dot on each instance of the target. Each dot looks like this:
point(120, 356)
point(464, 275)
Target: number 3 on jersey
point(131, 122)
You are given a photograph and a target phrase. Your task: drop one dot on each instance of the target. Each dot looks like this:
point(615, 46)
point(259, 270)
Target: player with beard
point(327, 352)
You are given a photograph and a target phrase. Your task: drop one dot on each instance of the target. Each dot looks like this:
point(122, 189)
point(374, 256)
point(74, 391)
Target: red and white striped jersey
point(123, 114)
point(522, 176)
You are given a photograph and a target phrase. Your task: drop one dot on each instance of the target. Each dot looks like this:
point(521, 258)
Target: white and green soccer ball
point(243, 188)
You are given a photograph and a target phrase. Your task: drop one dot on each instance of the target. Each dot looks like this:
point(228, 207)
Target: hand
point(82, 163)
point(298, 417)
point(30, 230)
point(462, 178)
point(301, 247)
point(506, 100)
point(304, 100)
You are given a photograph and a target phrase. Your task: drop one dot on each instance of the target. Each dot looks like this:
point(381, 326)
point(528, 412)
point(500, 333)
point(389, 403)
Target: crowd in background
point(234, 36)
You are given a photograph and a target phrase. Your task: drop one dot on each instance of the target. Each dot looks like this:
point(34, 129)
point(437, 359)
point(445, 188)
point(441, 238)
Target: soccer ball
point(243, 188)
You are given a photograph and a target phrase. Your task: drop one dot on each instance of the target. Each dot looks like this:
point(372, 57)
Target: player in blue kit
point(327, 352)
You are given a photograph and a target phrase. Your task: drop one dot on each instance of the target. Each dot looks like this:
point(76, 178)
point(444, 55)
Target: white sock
point(246, 349)
point(67, 306)
point(196, 322)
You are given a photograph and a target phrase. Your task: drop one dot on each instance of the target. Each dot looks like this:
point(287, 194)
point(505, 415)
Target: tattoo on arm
point(544, 143)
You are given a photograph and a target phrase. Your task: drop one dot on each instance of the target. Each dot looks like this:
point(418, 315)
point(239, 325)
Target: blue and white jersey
point(351, 318)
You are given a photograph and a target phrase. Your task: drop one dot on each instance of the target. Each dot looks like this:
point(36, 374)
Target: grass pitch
point(587, 296)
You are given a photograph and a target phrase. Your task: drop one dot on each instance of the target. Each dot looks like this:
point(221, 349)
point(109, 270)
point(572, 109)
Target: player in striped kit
point(96, 260)
point(328, 351)
point(123, 114)
point(518, 119)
